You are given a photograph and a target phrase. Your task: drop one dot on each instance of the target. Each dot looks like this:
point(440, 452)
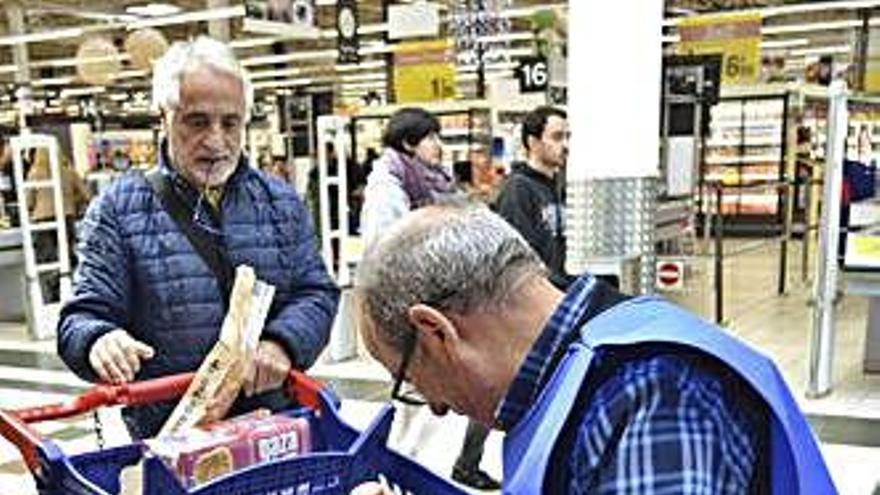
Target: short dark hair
point(410, 126)
point(536, 121)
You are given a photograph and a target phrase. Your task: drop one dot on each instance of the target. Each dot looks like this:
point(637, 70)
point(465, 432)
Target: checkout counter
point(12, 286)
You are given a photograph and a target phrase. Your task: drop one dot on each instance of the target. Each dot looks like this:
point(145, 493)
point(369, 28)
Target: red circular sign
point(669, 273)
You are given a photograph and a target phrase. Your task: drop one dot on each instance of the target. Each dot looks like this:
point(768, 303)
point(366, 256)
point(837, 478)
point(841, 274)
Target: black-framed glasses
point(403, 391)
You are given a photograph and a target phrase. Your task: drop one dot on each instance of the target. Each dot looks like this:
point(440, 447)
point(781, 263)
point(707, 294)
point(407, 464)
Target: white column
point(614, 79)
point(15, 18)
point(218, 28)
point(16, 22)
point(825, 289)
point(615, 63)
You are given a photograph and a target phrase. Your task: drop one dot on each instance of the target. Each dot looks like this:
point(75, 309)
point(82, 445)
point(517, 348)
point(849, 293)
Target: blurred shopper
point(597, 392)
point(531, 198)
point(75, 198)
point(410, 175)
point(158, 250)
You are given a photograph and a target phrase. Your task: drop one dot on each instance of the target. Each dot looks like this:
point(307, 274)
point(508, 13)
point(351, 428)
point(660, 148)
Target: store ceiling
point(98, 17)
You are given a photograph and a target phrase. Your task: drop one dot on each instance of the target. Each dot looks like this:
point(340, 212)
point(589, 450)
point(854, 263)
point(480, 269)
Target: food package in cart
point(200, 455)
point(228, 360)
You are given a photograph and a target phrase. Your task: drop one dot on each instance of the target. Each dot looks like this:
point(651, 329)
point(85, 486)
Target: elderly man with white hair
point(157, 250)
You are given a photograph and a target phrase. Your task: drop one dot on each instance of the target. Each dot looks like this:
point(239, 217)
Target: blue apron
point(796, 465)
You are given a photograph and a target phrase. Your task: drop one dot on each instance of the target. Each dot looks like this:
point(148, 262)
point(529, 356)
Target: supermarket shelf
point(736, 160)
point(725, 142)
point(751, 124)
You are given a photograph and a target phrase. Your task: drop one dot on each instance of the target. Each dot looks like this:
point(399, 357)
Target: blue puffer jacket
point(139, 272)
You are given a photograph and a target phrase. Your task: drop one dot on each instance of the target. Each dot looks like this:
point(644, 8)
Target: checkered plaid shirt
point(660, 421)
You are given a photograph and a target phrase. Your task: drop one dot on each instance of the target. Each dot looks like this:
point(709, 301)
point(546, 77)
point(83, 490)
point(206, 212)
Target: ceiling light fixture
point(186, 17)
point(153, 9)
point(59, 34)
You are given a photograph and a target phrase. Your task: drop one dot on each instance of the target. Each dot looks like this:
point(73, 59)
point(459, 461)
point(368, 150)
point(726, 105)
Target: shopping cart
point(341, 458)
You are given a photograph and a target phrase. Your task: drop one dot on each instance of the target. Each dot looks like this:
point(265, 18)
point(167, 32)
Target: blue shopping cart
point(342, 457)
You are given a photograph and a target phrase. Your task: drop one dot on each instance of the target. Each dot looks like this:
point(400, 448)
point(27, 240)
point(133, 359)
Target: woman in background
point(409, 175)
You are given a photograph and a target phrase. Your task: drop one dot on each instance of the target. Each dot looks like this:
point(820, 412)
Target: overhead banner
point(347, 40)
point(737, 37)
point(288, 18)
point(424, 71)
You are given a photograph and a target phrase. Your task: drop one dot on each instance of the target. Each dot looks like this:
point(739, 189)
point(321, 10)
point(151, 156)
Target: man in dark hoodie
point(531, 199)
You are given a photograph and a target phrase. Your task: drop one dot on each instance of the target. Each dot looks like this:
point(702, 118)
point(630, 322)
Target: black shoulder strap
point(207, 248)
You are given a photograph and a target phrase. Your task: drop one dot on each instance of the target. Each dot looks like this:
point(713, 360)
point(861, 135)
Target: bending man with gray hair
point(157, 250)
point(597, 392)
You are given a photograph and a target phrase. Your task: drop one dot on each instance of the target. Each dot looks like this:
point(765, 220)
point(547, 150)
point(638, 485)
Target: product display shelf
point(746, 154)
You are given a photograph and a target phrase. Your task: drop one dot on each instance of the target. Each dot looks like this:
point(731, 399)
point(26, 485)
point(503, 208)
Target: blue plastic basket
point(341, 459)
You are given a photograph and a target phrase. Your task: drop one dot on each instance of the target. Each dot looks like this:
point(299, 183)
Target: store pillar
point(615, 123)
point(218, 28)
point(825, 289)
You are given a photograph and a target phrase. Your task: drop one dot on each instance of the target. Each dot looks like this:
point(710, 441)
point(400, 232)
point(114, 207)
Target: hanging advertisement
point(287, 18)
point(737, 37)
point(347, 40)
point(424, 71)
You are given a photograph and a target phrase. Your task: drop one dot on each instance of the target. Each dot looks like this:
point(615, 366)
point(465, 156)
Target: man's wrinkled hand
point(116, 356)
point(270, 368)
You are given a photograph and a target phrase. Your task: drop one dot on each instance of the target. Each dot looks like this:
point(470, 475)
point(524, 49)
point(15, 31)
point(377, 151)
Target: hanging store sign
point(347, 41)
point(424, 71)
point(413, 20)
point(872, 64)
point(289, 18)
point(532, 74)
point(736, 37)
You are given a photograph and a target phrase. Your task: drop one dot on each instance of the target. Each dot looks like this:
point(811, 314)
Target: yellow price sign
point(736, 37)
point(424, 71)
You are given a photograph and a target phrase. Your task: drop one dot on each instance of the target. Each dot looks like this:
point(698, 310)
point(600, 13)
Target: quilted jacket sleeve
point(302, 322)
point(101, 287)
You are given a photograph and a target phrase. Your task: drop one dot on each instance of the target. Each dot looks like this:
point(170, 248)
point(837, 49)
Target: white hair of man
point(464, 258)
point(184, 57)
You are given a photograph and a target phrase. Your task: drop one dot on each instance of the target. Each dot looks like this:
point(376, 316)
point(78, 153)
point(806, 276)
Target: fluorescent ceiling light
point(793, 43)
point(73, 61)
point(275, 73)
point(186, 17)
point(377, 64)
point(296, 71)
point(809, 27)
point(58, 34)
point(153, 9)
point(90, 90)
point(364, 77)
point(303, 81)
point(789, 9)
point(52, 81)
point(823, 50)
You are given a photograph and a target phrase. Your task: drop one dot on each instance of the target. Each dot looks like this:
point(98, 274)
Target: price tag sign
point(532, 74)
point(424, 71)
point(737, 37)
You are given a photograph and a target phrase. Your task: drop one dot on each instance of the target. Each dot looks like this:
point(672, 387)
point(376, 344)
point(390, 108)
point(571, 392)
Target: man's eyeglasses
point(402, 391)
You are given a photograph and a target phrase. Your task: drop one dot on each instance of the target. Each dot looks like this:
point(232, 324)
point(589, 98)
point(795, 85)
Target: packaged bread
point(227, 362)
point(199, 455)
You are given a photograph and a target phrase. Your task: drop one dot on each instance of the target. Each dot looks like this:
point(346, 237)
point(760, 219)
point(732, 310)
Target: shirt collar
point(537, 367)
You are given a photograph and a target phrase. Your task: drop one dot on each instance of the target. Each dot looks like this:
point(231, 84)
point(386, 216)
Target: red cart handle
point(14, 427)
